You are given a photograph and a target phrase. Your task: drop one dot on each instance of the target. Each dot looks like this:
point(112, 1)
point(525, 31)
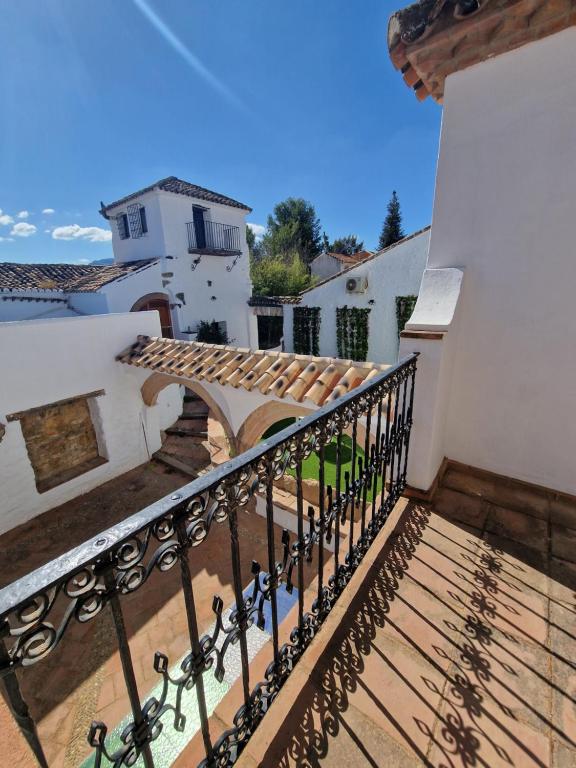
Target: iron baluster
point(377, 459)
point(300, 552)
point(16, 703)
point(239, 597)
point(338, 511)
point(198, 661)
point(401, 431)
point(385, 450)
point(272, 570)
point(366, 475)
point(409, 424)
point(321, 514)
point(141, 731)
point(352, 491)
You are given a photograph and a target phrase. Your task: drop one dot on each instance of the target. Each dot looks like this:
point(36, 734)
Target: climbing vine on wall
point(352, 332)
point(306, 330)
point(404, 308)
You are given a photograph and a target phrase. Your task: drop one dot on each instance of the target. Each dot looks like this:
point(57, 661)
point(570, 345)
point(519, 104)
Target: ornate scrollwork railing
point(37, 611)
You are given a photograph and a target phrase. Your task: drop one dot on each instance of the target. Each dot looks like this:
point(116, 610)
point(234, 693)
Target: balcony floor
point(458, 649)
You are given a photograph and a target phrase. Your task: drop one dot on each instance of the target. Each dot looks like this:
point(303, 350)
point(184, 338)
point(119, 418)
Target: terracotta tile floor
point(459, 650)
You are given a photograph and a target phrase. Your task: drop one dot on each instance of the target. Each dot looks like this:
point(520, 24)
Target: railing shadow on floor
point(477, 679)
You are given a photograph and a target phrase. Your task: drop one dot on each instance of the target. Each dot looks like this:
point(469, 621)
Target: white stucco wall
point(504, 213)
point(51, 360)
point(395, 272)
point(324, 266)
point(21, 309)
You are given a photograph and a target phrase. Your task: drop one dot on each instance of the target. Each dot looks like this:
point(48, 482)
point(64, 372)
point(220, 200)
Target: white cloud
point(76, 232)
point(23, 215)
point(23, 229)
point(6, 239)
point(48, 211)
point(5, 219)
point(258, 230)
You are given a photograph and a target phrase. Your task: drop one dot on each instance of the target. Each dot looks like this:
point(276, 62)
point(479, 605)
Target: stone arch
point(159, 381)
point(161, 303)
point(270, 413)
point(264, 417)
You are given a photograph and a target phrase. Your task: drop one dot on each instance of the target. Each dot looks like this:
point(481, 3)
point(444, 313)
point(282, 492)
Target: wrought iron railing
point(213, 236)
point(37, 611)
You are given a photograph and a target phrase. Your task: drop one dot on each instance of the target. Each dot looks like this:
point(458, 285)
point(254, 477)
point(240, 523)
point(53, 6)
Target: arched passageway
point(265, 416)
point(159, 302)
point(159, 381)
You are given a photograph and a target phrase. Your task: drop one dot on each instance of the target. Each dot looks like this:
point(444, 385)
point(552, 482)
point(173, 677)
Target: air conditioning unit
point(356, 284)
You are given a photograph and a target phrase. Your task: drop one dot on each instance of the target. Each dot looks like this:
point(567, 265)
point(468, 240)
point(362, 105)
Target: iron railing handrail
point(21, 591)
point(216, 234)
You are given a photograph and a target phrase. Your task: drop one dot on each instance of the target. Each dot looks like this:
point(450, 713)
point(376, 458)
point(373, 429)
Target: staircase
point(536, 517)
point(187, 447)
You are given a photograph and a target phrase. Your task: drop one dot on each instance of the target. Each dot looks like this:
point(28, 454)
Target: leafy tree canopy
point(347, 245)
point(279, 276)
point(293, 228)
point(392, 227)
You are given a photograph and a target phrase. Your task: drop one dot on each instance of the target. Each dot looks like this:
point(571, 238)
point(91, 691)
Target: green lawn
point(311, 465)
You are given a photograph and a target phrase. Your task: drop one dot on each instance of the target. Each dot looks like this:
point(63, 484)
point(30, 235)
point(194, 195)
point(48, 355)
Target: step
point(199, 407)
point(193, 417)
point(461, 507)
point(175, 463)
point(192, 398)
point(501, 491)
point(183, 432)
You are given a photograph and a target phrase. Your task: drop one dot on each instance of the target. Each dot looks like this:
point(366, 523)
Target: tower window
point(122, 223)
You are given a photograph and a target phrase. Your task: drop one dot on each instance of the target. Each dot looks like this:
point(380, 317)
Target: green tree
point(211, 333)
point(293, 228)
point(277, 276)
point(392, 226)
point(347, 245)
point(250, 239)
point(254, 245)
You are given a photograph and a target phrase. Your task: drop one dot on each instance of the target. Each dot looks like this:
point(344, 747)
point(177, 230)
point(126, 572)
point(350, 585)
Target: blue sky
point(259, 100)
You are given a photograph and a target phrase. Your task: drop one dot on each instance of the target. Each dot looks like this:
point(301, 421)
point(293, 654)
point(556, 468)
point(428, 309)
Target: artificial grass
point(311, 465)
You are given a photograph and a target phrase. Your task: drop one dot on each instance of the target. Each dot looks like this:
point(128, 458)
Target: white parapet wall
point(49, 361)
point(500, 385)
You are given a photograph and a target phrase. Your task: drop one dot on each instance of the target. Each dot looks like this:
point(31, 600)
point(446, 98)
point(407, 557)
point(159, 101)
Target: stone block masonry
point(61, 442)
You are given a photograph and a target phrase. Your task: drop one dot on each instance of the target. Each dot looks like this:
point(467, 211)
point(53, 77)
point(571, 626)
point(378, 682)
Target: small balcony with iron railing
point(213, 238)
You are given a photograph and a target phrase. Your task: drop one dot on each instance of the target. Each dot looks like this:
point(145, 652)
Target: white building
point(494, 322)
point(328, 264)
point(374, 284)
point(178, 248)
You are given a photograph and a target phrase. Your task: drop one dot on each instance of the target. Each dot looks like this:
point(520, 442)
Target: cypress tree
point(392, 226)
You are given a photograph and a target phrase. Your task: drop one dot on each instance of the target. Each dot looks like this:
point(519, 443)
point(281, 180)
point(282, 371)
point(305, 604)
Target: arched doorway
point(159, 302)
point(159, 381)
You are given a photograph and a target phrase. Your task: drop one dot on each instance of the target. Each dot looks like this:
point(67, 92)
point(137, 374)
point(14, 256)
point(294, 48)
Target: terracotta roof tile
point(179, 187)
point(351, 258)
point(432, 39)
point(283, 374)
point(69, 278)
